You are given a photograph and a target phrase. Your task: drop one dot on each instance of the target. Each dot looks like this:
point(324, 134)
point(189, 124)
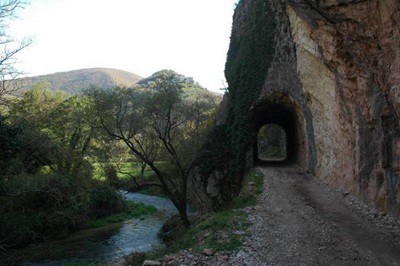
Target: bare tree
point(158, 124)
point(9, 47)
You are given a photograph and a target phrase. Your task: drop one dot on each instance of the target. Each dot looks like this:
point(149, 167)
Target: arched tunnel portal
point(283, 113)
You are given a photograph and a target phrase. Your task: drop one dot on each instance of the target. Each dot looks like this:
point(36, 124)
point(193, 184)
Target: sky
point(140, 36)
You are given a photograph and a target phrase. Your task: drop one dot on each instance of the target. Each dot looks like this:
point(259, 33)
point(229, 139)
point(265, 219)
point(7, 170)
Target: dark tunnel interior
point(271, 143)
point(285, 116)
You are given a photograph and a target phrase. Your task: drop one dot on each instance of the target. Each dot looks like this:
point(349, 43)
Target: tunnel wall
point(280, 109)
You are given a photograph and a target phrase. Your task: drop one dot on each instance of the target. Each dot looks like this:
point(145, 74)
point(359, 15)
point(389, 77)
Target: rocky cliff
point(348, 60)
point(328, 72)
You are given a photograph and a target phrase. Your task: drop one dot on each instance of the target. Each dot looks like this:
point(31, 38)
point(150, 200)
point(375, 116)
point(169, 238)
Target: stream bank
point(107, 244)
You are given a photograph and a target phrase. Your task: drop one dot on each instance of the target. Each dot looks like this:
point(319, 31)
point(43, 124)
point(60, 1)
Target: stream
point(107, 244)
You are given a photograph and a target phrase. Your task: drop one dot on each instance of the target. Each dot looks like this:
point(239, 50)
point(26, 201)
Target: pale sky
point(140, 36)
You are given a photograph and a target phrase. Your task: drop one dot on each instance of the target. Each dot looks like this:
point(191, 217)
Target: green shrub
point(105, 201)
point(220, 231)
point(247, 197)
point(48, 205)
point(36, 207)
point(250, 56)
point(172, 230)
point(112, 176)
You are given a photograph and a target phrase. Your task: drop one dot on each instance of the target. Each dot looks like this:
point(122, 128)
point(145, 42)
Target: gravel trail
point(298, 220)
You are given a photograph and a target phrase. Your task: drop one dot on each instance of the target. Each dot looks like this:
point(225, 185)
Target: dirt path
point(299, 221)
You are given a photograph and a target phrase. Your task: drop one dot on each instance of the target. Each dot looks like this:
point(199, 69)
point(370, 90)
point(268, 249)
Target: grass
point(252, 186)
point(219, 231)
point(224, 230)
point(131, 167)
point(135, 210)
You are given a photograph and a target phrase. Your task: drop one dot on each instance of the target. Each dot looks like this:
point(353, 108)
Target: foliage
point(52, 140)
point(222, 230)
point(32, 211)
point(111, 175)
point(46, 186)
point(249, 58)
point(49, 205)
point(253, 185)
point(124, 170)
point(23, 149)
point(105, 202)
point(218, 231)
point(161, 121)
point(67, 121)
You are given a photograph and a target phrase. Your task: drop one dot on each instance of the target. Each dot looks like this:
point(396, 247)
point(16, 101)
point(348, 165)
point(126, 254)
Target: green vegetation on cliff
point(249, 58)
point(250, 55)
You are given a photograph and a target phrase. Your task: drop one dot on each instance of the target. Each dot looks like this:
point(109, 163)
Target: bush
point(20, 228)
point(38, 207)
point(112, 176)
point(105, 201)
point(172, 230)
point(49, 206)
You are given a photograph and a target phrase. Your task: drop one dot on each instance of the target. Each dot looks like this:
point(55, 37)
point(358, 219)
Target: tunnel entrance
point(283, 118)
point(271, 143)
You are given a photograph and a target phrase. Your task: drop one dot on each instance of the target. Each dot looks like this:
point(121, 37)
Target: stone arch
point(281, 109)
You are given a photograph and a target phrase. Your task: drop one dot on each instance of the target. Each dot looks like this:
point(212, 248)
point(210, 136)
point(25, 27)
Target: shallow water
point(162, 204)
point(106, 244)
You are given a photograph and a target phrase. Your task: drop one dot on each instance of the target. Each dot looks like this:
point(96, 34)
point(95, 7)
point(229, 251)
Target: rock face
point(333, 84)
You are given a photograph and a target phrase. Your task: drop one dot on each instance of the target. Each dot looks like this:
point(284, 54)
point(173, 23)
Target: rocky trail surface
point(300, 221)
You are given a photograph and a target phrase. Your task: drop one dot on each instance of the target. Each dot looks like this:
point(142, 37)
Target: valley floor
point(300, 221)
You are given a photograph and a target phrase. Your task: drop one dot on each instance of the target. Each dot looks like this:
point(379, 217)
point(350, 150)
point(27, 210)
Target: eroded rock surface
point(333, 84)
point(349, 66)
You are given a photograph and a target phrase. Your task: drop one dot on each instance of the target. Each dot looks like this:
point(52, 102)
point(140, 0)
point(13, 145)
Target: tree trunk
point(183, 215)
point(143, 168)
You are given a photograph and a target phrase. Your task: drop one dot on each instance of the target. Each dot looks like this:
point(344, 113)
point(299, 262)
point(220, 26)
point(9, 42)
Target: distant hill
point(158, 74)
point(192, 88)
point(76, 81)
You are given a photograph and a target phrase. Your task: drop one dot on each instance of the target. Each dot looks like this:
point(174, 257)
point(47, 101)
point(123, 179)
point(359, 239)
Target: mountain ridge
point(75, 81)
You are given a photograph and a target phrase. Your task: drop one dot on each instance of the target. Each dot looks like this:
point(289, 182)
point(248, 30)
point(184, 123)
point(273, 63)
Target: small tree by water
point(159, 122)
